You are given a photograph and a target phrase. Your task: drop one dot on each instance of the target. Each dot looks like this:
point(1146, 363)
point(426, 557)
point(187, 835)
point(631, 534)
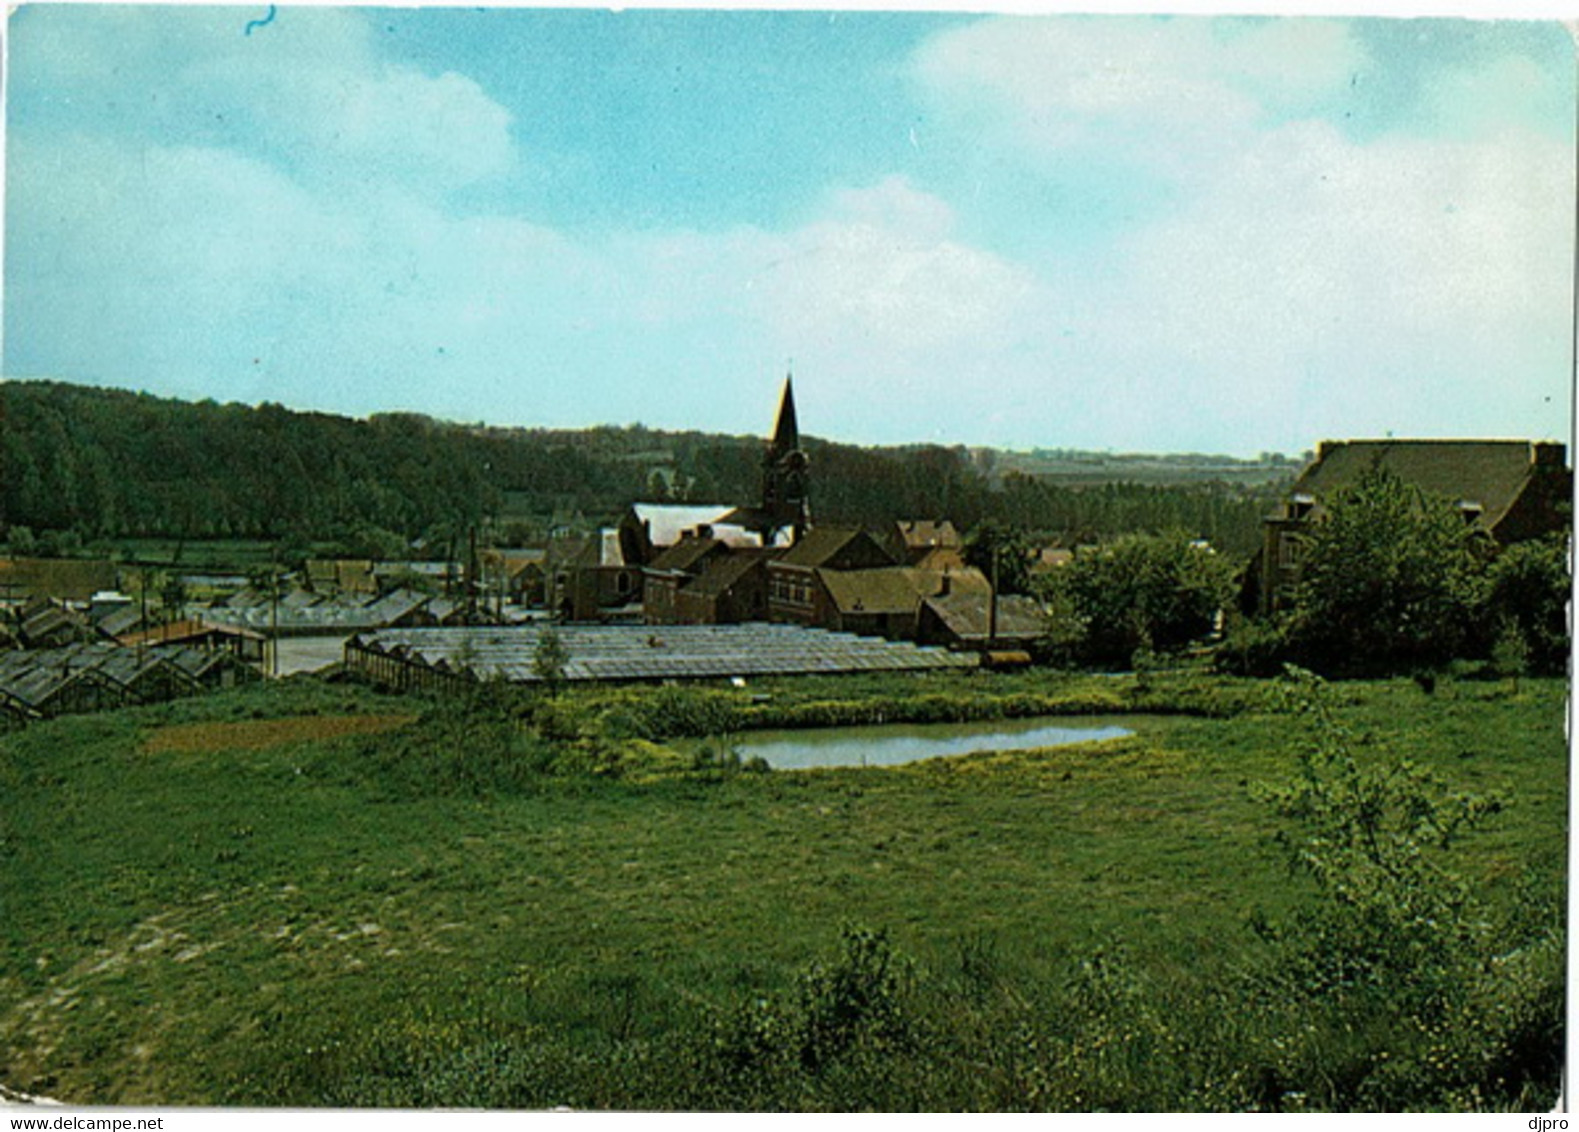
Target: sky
point(1165, 233)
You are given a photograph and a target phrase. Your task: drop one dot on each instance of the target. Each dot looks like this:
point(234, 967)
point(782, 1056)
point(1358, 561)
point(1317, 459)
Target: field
point(307, 894)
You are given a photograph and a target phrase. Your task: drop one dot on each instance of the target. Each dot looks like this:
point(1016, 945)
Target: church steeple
point(786, 434)
point(785, 501)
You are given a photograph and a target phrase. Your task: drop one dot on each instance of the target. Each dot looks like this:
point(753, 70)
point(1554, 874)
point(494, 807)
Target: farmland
point(308, 894)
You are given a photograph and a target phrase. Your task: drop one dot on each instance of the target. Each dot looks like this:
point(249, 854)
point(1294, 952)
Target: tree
point(1527, 588)
point(1391, 579)
point(1001, 551)
point(550, 658)
point(1144, 592)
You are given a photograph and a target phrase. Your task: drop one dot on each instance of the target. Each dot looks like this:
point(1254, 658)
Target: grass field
point(307, 894)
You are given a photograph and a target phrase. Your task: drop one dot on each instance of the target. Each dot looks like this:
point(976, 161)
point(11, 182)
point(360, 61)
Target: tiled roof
point(1490, 473)
point(888, 589)
point(685, 554)
point(818, 545)
point(722, 573)
point(965, 615)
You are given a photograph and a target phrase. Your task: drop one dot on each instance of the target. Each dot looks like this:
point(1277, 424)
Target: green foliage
point(1383, 988)
point(549, 658)
point(1253, 646)
point(1155, 591)
point(1510, 653)
point(1391, 580)
point(104, 463)
point(1003, 552)
point(1528, 588)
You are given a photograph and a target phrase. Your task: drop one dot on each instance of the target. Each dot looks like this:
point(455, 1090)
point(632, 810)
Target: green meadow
point(308, 894)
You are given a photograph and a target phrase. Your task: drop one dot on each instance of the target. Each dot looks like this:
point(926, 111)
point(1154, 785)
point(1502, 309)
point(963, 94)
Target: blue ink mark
point(263, 23)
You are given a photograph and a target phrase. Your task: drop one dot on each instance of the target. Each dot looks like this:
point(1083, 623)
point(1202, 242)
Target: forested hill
point(108, 464)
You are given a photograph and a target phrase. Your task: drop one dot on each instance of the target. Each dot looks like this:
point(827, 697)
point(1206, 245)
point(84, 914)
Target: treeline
point(106, 464)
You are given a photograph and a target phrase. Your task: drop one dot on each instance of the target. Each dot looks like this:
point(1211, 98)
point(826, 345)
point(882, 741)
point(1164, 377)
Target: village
point(781, 593)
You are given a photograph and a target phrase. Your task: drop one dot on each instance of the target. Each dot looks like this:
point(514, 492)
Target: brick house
point(1512, 489)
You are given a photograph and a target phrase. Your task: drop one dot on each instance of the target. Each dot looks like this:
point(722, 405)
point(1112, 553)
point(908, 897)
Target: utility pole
point(992, 601)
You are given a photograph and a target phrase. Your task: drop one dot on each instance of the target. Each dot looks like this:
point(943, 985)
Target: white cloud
point(1052, 84)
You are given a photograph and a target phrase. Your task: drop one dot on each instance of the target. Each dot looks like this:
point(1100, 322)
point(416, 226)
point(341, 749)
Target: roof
point(786, 431)
point(645, 652)
point(185, 631)
point(666, 523)
point(925, 533)
point(965, 615)
point(887, 589)
point(723, 572)
point(119, 621)
point(1488, 473)
point(819, 545)
point(685, 554)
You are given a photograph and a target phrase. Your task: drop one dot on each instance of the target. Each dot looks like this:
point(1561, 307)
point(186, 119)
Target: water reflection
point(893, 744)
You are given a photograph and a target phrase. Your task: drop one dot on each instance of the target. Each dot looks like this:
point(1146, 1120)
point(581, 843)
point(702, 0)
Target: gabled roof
point(723, 572)
point(887, 589)
point(1489, 474)
point(965, 615)
point(922, 534)
point(820, 544)
point(685, 554)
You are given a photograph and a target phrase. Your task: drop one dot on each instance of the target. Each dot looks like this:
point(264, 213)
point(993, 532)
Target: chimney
point(1551, 454)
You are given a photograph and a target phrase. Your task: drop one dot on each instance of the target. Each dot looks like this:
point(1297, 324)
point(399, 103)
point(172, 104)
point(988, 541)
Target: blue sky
point(1156, 233)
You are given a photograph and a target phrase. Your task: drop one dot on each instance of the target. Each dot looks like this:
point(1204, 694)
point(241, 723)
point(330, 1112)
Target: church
point(714, 564)
point(697, 563)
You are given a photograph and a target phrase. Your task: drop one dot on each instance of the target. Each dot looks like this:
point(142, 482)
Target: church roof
point(786, 432)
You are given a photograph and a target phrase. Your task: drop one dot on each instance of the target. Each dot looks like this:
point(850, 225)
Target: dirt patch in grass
point(257, 734)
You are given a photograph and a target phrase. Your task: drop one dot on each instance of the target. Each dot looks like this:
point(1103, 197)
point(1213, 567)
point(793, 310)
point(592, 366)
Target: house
point(520, 575)
point(341, 576)
point(931, 544)
point(731, 588)
point(1512, 489)
point(793, 587)
point(600, 583)
point(673, 568)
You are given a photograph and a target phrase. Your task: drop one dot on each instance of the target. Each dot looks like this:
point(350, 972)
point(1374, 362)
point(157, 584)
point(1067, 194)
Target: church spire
point(786, 433)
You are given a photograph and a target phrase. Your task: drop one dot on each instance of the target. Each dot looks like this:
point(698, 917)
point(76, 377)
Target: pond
point(891, 744)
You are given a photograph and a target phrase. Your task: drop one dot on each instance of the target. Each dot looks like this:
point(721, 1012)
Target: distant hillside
point(107, 464)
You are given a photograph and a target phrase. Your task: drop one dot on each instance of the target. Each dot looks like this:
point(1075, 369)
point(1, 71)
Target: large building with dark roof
point(1513, 490)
